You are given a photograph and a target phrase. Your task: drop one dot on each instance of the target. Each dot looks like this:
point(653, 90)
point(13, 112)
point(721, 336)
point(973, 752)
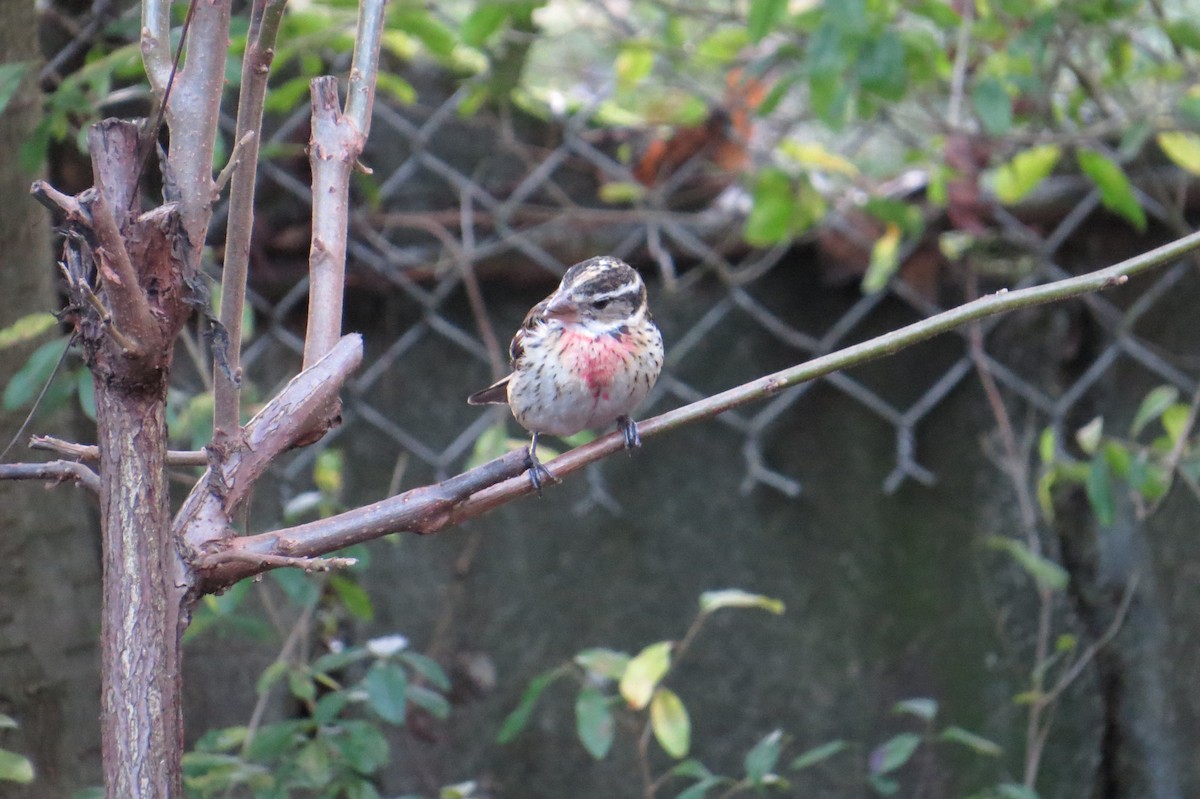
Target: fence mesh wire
point(454, 196)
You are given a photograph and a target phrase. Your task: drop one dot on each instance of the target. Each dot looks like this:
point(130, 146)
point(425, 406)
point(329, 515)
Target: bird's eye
point(600, 305)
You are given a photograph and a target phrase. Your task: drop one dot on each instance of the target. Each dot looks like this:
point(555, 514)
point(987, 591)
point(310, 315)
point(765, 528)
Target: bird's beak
point(563, 307)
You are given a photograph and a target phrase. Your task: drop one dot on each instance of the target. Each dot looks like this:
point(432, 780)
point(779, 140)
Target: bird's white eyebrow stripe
point(619, 291)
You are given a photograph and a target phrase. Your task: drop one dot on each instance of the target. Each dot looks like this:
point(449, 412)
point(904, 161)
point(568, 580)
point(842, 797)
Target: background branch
point(256, 67)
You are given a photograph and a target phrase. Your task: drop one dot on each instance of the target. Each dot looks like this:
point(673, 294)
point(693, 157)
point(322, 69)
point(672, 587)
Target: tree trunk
point(143, 720)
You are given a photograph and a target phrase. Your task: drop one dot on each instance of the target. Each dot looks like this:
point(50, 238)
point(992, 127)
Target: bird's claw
point(629, 430)
point(537, 472)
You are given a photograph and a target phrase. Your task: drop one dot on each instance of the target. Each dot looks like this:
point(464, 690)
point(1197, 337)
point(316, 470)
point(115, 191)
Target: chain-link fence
point(515, 201)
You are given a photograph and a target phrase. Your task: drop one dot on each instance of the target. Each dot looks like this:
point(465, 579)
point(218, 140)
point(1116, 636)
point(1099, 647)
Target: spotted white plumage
point(585, 357)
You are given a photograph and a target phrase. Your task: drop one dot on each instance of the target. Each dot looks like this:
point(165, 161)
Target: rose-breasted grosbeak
point(585, 357)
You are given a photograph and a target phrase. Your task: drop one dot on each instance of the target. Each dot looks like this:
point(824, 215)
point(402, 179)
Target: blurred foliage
point(13, 767)
point(621, 691)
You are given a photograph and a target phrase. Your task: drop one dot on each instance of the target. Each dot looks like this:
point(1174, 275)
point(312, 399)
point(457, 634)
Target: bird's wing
point(497, 393)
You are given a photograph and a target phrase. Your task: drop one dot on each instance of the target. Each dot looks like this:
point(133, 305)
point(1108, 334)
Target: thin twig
point(1070, 675)
point(243, 166)
point(54, 471)
point(269, 561)
point(90, 453)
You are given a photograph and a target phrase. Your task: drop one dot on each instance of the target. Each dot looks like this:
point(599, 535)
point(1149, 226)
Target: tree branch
point(156, 43)
point(337, 142)
point(431, 509)
point(300, 408)
point(91, 453)
point(192, 114)
point(364, 69)
point(54, 471)
point(256, 67)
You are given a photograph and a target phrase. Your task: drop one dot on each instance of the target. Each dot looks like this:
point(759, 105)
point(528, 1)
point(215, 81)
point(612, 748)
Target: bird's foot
point(537, 472)
point(629, 430)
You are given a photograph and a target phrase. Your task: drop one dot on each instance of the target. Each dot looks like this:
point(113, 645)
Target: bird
point(584, 358)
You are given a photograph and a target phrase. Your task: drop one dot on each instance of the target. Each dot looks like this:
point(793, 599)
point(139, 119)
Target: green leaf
point(491, 444)
point(700, 789)
point(27, 382)
point(481, 23)
point(335, 661)
point(363, 745)
point(428, 668)
point(1174, 421)
point(299, 588)
point(885, 260)
point(397, 87)
point(7, 722)
point(1088, 436)
point(329, 707)
point(10, 80)
point(993, 106)
point(1183, 33)
point(1025, 172)
point(670, 722)
point(737, 598)
point(1013, 790)
point(617, 192)
point(1045, 571)
point(1046, 447)
point(517, 720)
point(1152, 407)
point(723, 46)
point(770, 219)
point(819, 754)
point(85, 387)
point(425, 28)
point(764, 17)
point(433, 702)
point(594, 722)
point(271, 675)
point(923, 708)
point(883, 786)
point(643, 673)
point(893, 753)
point(814, 156)
point(28, 327)
point(271, 741)
point(881, 67)
point(608, 664)
point(690, 768)
point(633, 64)
point(760, 761)
point(1100, 491)
point(976, 743)
point(1182, 148)
point(387, 691)
point(353, 596)
point(15, 768)
point(1116, 193)
point(301, 684)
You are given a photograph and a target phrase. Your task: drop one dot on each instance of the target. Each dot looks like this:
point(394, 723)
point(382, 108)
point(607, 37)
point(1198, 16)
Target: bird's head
point(600, 293)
